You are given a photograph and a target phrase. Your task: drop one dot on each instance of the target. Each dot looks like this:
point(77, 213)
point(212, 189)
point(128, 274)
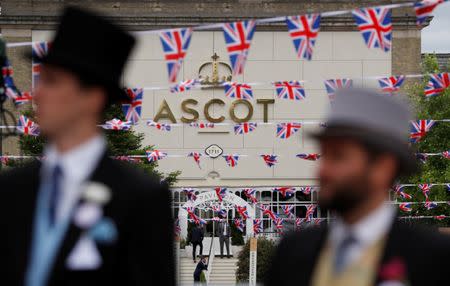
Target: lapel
point(73, 233)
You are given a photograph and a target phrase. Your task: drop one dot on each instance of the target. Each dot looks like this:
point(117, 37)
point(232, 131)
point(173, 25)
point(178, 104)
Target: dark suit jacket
point(197, 235)
point(220, 228)
point(424, 252)
point(139, 207)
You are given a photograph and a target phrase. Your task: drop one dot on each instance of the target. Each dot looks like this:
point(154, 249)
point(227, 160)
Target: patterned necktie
point(55, 184)
point(341, 258)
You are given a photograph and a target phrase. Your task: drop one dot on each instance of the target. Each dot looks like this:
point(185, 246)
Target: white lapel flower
point(97, 193)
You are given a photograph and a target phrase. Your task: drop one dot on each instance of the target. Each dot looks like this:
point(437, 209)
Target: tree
point(436, 169)
point(265, 251)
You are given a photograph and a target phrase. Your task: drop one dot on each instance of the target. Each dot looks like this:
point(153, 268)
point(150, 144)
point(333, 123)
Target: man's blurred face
point(343, 174)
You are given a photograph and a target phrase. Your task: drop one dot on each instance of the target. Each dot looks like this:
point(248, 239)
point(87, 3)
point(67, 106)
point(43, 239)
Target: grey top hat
point(377, 120)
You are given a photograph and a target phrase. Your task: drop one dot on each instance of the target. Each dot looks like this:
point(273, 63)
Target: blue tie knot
point(341, 258)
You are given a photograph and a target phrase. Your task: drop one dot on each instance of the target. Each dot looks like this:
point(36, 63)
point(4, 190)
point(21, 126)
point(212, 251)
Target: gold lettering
point(249, 107)
point(265, 103)
point(165, 113)
point(206, 110)
point(186, 109)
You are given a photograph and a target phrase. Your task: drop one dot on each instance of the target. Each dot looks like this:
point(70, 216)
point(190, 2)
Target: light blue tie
point(341, 256)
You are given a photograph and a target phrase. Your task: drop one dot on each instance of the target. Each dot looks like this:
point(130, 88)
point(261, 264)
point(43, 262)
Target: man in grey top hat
point(364, 149)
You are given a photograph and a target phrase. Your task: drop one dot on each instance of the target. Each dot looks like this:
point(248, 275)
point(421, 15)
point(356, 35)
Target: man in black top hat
point(364, 149)
point(79, 217)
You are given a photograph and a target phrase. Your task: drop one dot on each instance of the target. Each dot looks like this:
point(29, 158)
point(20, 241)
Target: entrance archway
point(206, 200)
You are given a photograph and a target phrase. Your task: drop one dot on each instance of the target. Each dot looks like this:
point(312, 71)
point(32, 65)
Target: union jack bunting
point(38, 51)
point(398, 190)
point(270, 160)
point(285, 130)
point(132, 109)
point(159, 126)
point(440, 217)
point(307, 190)
point(201, 125)
point(127, 159)
point(23, 97)
point(292, 90)
point(391, 84)
point(220, 192)
point(318, 221)
point(196, 156)
point(426, 188)
point(375, 26)
point(238, 37)
point(217, 219)
point(27, 127)
point(422, 157)
point(430, 205)
point(219, 210)
point(117, 124)
point(238, 90)
point(175, 43)
point(194, 217)
point(183, 86)
point(299, 221)
point(4, 160)
point(303, 31)
point(333, 85)
point(419, 129)
point(177, 228)
point(257, 226)
point(244, 127)
point(278, 224)
point(308, 156)
point(231, 160)
point(155, 155)
point(287, 210)
point(239, 224)
point(190, 194)
point(446, 154)
point(310, 209)
point(437, 84)
point(424, 9)
point(250, 193)
point(267, 211)
point(243, 212)
point(406, 207)
point(285, 191)
point(11, 91)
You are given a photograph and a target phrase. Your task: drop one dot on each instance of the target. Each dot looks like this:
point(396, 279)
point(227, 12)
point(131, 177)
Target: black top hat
point(92, 48)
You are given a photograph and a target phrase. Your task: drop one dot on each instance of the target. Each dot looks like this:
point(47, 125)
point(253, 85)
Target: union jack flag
point(177, 228)
point(440, 217)
point(190, 194)
point(303, 31)
point(183, 86)
point(238, 37)
point(250, 193)
point(4, 160)
point(257, 226)
point(391, 84)
point(159, 126)
point(231, 160)
point(309, 156)
point(422, 157)
point(307, 190)
point(424, 9)
point(244, 127)
point(287, 209)
point(117, 124)
point(406, 207)
point(278, 223)
point(127, 159)
point(398, 189)
point(238, 90)
point(310, 209)
point(285, 130)
point(426, 188)
point(220, 192)
point(155, 155)
point(375, 26)
point(196, 156)
point(217, 219)
point(437, 84)
point(194, 217)
point(270, 160)
point(243, 212)
point(430, 205)
point(446, 154)
point(267, 211)
point(219, 210)
point(27, 127)
point(285, 191)
point(23, 97)
point(175, 43)
point(292, 90)
point(333, 85)
point(419, 129)
point(299, 221)
point(201, 125)
point(11, 90)
point(239, 224)
point(38, 51)
point(132, 110)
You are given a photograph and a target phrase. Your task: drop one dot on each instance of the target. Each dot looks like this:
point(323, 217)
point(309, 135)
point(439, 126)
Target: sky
point(436, 37)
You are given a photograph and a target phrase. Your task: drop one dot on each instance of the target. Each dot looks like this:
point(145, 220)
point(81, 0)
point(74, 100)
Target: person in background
point(79, 217)
point(201, 265)
point(364, 150)
point(197, 235)
point(223, 231)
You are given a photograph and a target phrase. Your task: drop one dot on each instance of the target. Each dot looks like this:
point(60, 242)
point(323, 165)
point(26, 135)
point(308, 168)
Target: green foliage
point(436, 169)
point(265, 252)
point(236, 235)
